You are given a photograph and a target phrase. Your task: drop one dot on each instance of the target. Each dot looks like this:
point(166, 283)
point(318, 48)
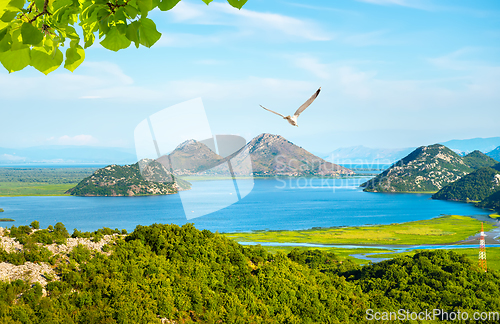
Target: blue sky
point(394, 73)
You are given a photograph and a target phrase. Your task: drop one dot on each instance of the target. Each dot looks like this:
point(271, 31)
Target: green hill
point(426, 169)
point(171, 274)
point(474, 186)
point(127, 180)
point(491, 202)
point(478, 160)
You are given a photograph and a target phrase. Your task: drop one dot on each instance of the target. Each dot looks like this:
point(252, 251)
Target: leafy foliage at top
point(32, 32)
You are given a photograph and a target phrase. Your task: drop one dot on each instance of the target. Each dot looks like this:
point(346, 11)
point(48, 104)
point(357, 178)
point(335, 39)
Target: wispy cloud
point(417, 4)
point(250, 22)
point(367, 39)
point(312, 65)
point(76, 140)
point(322, 8)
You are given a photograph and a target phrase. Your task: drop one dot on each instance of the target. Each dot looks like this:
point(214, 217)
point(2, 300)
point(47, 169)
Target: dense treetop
point(187, 275)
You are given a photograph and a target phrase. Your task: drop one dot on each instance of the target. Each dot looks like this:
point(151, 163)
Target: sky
point(393, 73)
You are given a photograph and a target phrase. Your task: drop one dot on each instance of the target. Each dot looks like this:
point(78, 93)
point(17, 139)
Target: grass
point(11, 189)
point(441, 230)
point(495, 215)
point(6, 220)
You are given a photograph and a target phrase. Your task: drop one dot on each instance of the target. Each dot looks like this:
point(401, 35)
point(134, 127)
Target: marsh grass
point(440, 230)
point(11, 189)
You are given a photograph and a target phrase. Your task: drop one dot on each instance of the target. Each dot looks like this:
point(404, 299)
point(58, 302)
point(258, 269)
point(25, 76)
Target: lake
point(277, 204)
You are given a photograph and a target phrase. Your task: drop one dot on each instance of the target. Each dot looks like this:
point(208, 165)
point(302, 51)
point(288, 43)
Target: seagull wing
point(307, 103)
point(272, 111)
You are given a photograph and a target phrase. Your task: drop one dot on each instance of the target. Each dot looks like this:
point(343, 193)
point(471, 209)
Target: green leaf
point(45, 61)
point(207, 1)
point(88, 35)
point(148, 35)
point(39, 4)
point(31, 34)
point(115, 41)
point(144, 6)
point(8, 16)
point(74, 57)
point(133, 33)
point(15, 60)
point(131, 11)
point(19, 4)
point(57, 4)
point(167, 4)
point(6, 43)
point(237, 3)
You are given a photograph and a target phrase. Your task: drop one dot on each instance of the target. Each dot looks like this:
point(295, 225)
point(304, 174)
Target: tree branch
point(44, 11)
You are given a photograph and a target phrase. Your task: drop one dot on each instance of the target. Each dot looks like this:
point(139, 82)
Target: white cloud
point(313, 66)
point(417, 4)
point(73, 140)
point(249, 22)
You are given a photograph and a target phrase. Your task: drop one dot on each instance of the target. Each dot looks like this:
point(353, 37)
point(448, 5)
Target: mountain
point(191, 157)
point(474, 186)
point(491, 202)
point(477, 159)
point(269, 154)
point(495, 154)
point(426, 169)
point(274, 155)
point(67, 154)
point(127, 180)
point(468, 145)
point(361, 154)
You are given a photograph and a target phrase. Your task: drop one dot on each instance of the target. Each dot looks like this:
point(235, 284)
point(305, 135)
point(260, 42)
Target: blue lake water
point(273, 204)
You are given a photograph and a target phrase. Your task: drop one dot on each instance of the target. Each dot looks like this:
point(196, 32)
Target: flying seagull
point(293, 119)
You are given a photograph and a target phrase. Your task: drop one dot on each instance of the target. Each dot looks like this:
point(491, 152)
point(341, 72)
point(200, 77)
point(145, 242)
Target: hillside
point(270, 155)
point(427, 169)
point(474, 186)
point(127, 180)
point(491, 202)
point(274, 155)
point(171, 274)
point(191, 157)
point(495, 154)
point(477, 159)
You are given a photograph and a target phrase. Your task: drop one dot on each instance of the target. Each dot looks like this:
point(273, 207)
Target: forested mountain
point(491, 202)
point(171, 274)
point(127, 180)
point(477, 159)
point(474, 186)
point(427, 169)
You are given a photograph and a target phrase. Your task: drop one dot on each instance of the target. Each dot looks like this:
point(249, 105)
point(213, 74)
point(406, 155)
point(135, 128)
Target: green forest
point(187, 275)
